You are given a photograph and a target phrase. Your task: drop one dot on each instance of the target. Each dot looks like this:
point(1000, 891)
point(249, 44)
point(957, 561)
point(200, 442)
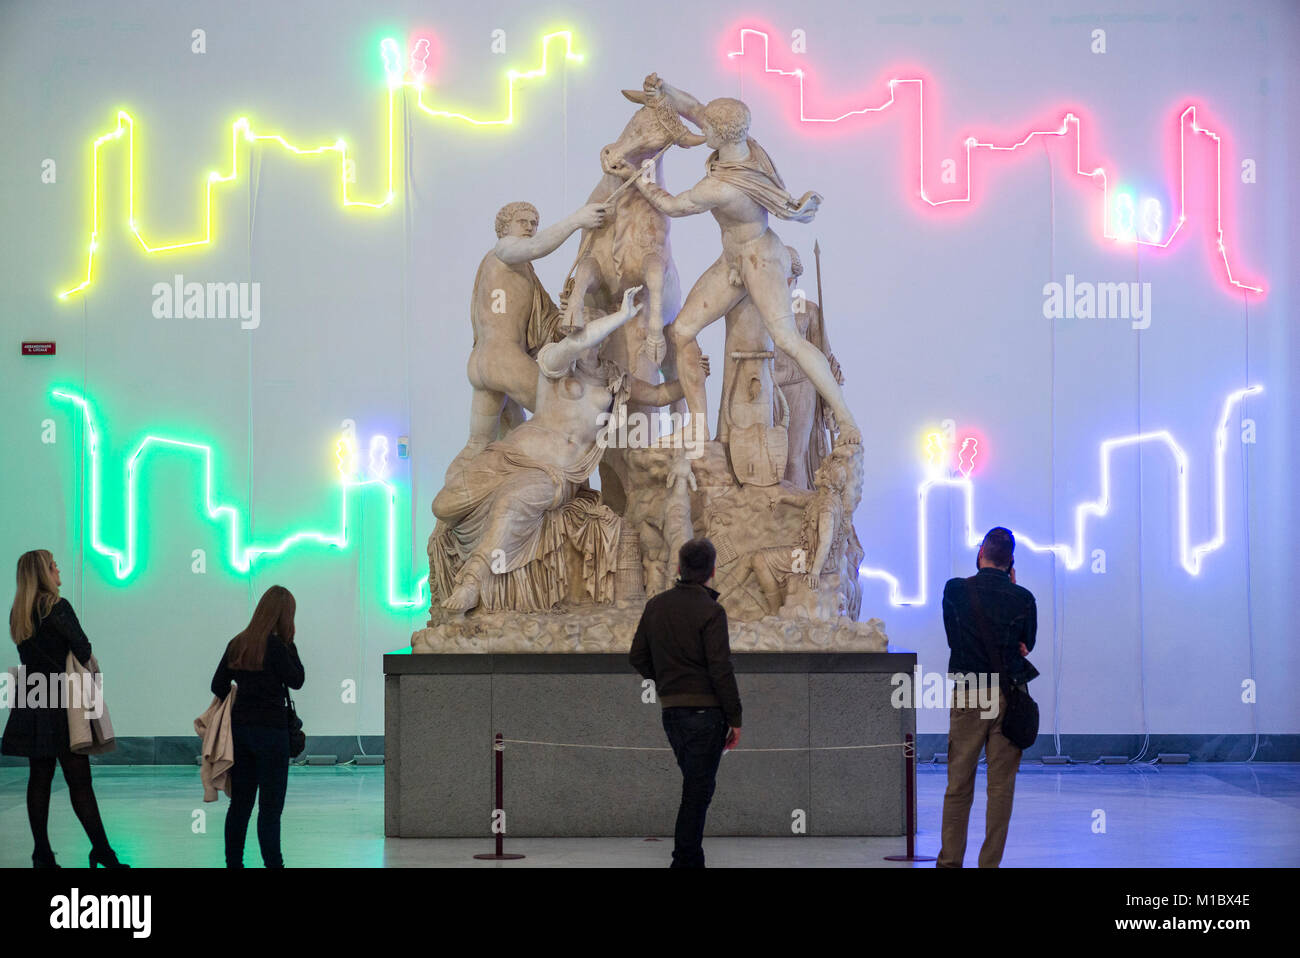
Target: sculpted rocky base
point(609, 629)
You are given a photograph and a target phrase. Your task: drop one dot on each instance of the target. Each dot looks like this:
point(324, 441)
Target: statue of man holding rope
point(513, 317)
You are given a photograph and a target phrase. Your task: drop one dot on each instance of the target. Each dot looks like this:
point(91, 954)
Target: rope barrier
point(499, 743)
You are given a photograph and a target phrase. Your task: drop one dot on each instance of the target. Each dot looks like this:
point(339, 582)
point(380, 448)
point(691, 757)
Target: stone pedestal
point(441, 712)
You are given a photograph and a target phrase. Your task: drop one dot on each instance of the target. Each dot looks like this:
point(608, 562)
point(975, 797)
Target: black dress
point(43, 732)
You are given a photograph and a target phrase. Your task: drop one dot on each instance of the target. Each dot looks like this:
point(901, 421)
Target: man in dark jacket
point(681, 644)
point(986, 611)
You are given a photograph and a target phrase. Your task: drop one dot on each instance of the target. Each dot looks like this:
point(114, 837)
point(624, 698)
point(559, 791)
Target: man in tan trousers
point(986, 608)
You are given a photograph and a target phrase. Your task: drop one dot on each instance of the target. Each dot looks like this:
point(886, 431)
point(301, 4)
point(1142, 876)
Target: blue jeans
point(697, 736)
point(260, 775)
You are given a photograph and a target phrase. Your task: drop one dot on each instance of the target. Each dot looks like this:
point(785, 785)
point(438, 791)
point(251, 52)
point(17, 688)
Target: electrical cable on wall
point(1250, 595)
point(1058, 594)
point(254, 197)
point(1142, 623)
point(80, 482)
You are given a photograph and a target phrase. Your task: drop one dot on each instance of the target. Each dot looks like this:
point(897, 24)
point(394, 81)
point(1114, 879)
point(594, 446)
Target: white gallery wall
point(936, 312)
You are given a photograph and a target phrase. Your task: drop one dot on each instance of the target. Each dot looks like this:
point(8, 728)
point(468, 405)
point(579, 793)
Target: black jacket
point(43, 732)
point(682, 644)
point(1012, 617)
point(261, 694)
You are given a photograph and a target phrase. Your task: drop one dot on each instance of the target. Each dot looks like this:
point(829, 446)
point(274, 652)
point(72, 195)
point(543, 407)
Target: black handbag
point(1020, 721)
point(1020, 711)
point(297, 737)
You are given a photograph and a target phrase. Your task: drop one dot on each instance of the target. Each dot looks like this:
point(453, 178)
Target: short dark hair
point(695, 560)
point(999, 546)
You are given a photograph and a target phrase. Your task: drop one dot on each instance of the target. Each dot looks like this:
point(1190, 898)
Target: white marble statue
point(810, 425)
point(493, 504)
point(775, 400)
point(741, 188)
point(526, 555)
point(631, 248)
point(823, 542)
point(513, 316)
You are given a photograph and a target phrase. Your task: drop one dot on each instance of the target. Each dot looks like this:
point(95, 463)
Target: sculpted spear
point(829, 416)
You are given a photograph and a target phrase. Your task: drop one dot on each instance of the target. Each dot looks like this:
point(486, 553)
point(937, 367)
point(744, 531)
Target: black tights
point(76, 772)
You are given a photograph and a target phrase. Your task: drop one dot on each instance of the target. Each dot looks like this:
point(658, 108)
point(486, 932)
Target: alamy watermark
point(181, 300)
point(76, 910)
point(943, 690)
point(38, 690)
point(641, 430)
point(1087, 300)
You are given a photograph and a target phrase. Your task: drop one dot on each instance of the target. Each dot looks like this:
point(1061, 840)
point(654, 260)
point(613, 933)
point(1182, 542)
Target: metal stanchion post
point(909, 770)
point(499, 812)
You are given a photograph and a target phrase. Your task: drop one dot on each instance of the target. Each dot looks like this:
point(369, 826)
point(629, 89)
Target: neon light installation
point(1072, 554)
point(242, 132)
point(1069, 125)
point(240, 555)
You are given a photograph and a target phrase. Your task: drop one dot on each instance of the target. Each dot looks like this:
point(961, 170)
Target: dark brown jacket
point(682, 644)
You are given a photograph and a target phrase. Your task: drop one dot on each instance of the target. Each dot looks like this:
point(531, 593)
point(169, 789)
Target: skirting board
point(1090, 748)
point(181, 749)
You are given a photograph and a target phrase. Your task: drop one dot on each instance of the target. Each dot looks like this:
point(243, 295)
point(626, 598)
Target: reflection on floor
point(1153, 816)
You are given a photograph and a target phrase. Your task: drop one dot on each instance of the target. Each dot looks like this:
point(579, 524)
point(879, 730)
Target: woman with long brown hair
point(45, 629)
point(263, 663)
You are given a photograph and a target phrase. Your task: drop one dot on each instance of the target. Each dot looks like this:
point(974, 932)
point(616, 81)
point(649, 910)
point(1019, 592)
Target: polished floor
point(1086, 815)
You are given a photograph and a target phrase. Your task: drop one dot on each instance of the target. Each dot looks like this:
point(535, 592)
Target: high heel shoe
point(106, 858)
point(44, 860)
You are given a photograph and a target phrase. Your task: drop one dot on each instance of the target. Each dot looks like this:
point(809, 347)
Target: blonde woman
point(45, 629)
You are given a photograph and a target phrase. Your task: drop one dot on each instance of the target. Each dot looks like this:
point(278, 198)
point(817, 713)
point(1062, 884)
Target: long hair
point(273, 616)
point(35, 596)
